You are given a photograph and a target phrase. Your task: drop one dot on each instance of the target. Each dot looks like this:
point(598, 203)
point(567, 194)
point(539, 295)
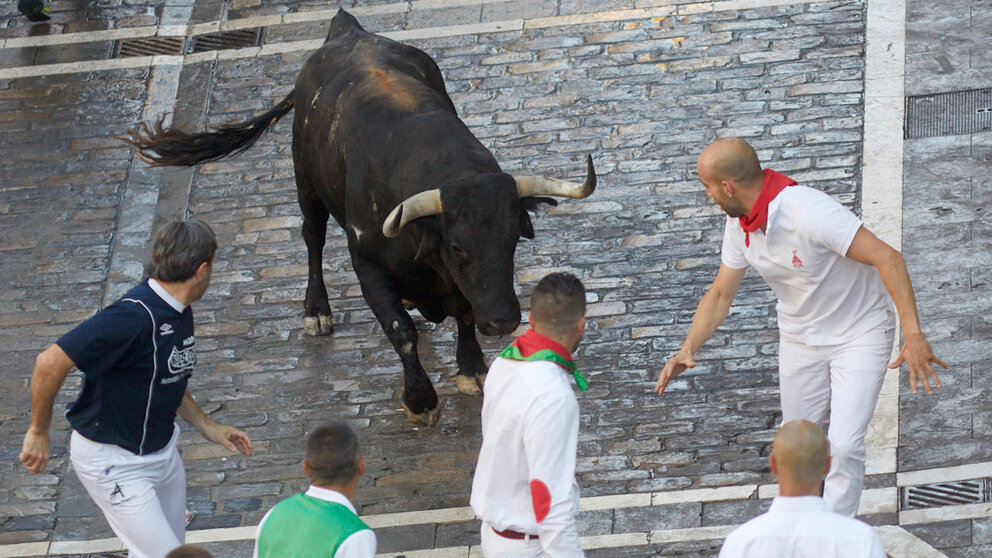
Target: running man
point(136, 356)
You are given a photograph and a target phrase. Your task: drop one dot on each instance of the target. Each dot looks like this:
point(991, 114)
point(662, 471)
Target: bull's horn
point(528, 185)
point(414, 207)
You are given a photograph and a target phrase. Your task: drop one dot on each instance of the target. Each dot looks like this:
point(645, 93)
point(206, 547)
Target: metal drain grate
point(149, 46)
point(945, 114)
point(227, 39)
point(946, 494)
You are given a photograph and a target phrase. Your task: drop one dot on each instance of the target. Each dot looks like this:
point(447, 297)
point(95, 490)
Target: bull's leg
point(471, 366)
point(419, 398)
point(316, 310)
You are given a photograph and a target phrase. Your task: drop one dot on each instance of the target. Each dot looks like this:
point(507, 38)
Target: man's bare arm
point(228, 436)
point(710, 313)
point(50, 370)
point(916, 352)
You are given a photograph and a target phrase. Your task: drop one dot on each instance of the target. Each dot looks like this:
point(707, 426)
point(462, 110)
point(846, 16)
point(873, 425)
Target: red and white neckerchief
point(774, 183)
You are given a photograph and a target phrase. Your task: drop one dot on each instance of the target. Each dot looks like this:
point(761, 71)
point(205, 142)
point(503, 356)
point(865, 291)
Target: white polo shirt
point(824, 297)
point(802, 527)
point(525, 477)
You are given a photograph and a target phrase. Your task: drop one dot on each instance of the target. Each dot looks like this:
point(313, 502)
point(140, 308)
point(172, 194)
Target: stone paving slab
point(643, 96)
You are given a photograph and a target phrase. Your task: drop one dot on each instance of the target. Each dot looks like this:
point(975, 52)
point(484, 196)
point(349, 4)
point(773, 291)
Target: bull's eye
point(459, 253)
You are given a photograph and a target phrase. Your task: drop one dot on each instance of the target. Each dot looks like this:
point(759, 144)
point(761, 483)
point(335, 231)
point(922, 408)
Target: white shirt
point(530, 430)
point(361, 544)
point(802, 527)
point(824, 297)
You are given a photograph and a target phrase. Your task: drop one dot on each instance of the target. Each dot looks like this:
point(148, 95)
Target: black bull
point(432, 221)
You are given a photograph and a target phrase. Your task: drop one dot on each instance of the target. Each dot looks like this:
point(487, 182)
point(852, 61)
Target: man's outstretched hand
point(677, 364)
point(918, 356)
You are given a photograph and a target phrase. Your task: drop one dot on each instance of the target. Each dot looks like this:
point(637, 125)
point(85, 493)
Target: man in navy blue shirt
point(136, 356)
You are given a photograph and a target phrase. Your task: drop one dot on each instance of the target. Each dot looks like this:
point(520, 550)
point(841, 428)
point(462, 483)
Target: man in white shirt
point(524, 489)
point(323, 522)
point(799, 524)
point(835, 282)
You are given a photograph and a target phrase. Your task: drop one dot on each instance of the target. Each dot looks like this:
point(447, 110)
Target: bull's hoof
point(315, 326)
point(470, 385)
point(426, 418)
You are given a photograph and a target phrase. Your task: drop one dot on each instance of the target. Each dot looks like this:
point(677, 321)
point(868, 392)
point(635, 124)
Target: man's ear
point(728, 187)
point(826, 468)
point(773, 464)
point(201, 271)
point(307, 471)
point(361, 465)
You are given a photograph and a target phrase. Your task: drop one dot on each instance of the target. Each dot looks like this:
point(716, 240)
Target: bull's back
point(351, 95)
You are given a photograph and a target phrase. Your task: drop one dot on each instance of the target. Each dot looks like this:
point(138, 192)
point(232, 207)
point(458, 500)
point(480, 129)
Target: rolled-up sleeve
point(550, 438)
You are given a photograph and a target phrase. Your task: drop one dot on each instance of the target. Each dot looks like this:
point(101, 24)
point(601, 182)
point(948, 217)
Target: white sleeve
point(732, 252)
point(830, 224)
point(731, 546)
point(877, 550)
point(360, 544)
point(551, 433)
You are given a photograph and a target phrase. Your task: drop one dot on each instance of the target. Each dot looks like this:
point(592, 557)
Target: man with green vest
point(322, 522)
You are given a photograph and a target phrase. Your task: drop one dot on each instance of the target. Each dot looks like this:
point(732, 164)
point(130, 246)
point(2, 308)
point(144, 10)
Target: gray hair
point(332, 452)
point(179, 249)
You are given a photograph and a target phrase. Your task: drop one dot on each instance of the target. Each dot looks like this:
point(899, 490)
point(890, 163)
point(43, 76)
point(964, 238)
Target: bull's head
point(476, 235)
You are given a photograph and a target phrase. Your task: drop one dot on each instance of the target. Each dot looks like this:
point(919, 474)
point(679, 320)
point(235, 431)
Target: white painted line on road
point(691, 534)
point(881, 193)
point(900, 543)
point(945, 513)
point(945, 474)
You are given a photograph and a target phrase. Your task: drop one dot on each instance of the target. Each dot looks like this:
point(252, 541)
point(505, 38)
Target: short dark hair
point(558, 303)
point(179, 250)
point(332, 452)
point(189, 551)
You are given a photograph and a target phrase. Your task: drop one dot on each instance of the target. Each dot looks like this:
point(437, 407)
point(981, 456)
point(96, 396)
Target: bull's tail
point(160, 147)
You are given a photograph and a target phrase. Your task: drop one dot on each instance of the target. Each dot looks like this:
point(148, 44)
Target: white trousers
point(844, 381)
point(142, 497)
point(496, 546)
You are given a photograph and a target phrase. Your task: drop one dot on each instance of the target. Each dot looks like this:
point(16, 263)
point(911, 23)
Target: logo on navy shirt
point(166, 329)
point(180, 364)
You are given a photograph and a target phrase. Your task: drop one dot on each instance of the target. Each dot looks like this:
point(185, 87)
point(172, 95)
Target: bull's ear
point(532, 203)
point(430, 242)
point(526, 227)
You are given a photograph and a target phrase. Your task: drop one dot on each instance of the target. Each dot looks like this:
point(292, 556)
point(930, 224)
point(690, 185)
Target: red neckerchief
point(533, 346)
point(775, 182)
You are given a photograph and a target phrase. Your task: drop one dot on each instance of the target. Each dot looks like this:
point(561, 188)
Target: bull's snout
point(499, 327)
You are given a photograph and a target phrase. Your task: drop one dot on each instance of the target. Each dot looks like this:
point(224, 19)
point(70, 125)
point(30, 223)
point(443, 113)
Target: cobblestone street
point(642, 86)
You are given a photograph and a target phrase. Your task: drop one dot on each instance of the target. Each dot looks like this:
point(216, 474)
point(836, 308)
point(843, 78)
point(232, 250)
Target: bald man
point(799, 523)
point(835, 282)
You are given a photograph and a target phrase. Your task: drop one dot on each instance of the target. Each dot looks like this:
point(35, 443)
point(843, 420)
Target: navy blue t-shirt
point(136, 356)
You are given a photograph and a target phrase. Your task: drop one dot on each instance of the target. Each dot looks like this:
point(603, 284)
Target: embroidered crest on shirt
point(166, 329)
point(180, 364)
point(796, 262)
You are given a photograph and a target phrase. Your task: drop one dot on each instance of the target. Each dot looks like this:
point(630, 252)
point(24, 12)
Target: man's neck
point(348, 490)
point(563, 340)
point(183, 292)
point(748, 195)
